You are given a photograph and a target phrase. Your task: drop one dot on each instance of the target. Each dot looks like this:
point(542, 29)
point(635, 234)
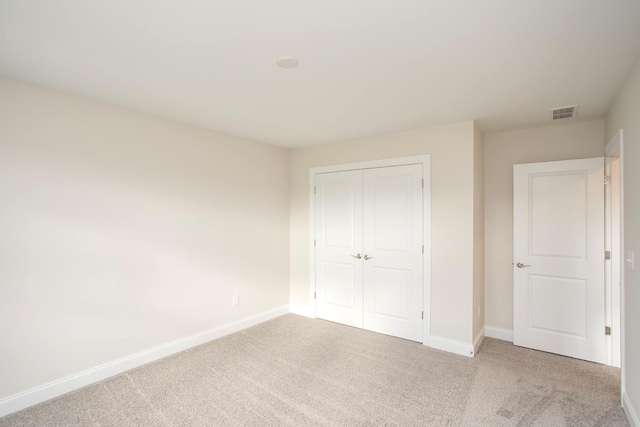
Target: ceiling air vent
point(564, 112)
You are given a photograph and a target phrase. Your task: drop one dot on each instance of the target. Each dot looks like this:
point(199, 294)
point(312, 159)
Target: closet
point(369, 249)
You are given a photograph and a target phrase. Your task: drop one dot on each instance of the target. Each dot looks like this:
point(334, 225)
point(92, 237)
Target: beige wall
point(502, 151)
point(452, 206)
point(478, 233)
point(625, 114)
point(121, 232)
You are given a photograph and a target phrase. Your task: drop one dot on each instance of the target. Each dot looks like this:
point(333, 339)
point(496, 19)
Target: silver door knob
point(521, 265)
point(358, 256)
point(367, 257)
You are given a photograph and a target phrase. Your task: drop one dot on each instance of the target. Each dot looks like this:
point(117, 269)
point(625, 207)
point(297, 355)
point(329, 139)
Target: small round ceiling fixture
point(287, 62)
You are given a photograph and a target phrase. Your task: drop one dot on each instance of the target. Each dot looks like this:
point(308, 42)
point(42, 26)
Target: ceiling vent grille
point(568, 112)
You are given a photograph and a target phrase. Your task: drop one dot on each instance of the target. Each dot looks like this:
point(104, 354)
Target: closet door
point(392, 251)
point(338, 247)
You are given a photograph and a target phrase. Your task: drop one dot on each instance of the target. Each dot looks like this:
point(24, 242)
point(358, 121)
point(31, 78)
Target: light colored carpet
point(295, 371)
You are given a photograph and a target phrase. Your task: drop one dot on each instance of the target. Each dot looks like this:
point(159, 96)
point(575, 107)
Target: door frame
point(615, 149)
point(613, 266)
point(425, 161)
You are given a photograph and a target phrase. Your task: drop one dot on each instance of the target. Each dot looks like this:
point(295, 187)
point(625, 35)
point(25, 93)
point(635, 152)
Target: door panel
point(339, 284)
point(388, 202)
point(557, 305)
point(338, 237)
point(392, 200)
point(391, 292)
point(340, 202)
point(559, 243)
point(554, 235)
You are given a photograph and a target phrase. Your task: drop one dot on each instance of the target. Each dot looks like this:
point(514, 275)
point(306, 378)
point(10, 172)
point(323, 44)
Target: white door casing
point(559, 257)
point(380, 238)
point(615, 306)
point(393, 243)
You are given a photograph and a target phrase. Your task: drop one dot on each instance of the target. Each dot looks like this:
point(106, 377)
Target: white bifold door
point(559, 257)
point(369, 264)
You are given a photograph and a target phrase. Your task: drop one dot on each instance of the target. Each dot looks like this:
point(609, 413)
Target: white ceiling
point(367, 67)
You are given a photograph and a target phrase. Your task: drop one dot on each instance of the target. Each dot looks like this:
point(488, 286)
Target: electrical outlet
point(236, 300)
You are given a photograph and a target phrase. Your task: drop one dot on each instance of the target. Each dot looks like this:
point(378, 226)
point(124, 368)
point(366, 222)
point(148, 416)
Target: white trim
point(312, 237)
point(631, 413)
point(426, 239)
point(499, 333)
point(608, 264)
point(478, 341)
point(451, 346)
point(612, 240)
point(64, 385)
point(615, 148)
point(425, 161)
point(382, 163)
point(302, 310)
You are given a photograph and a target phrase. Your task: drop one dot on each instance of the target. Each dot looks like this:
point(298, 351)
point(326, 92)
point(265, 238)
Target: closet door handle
point(359, 256)
point(367, 257)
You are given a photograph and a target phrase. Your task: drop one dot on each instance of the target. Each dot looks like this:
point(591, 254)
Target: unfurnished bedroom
point(319, 213)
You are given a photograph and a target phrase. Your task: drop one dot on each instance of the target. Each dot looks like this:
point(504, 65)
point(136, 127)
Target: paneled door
point(558, 267)
point(339, 247)
point(369, 270)
point(393, 251)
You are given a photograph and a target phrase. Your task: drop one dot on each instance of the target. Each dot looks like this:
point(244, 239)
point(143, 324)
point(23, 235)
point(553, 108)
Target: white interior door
point(339, 247)
point(368, 249)
point(393, 251)
point(559, 257)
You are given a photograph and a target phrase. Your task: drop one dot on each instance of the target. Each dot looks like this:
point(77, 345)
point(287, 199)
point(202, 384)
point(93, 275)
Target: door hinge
point(607, 255)
point(314, 295)
point(607, 330)
point(422, 248)
point(607, 180)
point(422, 182)
point(314, 189)
point(423, 315)
point(314, 242)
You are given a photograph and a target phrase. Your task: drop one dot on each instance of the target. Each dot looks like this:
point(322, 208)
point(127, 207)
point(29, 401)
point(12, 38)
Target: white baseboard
point(632, 415)
point(64, 385)
point(302, 310)
point(478, 341)
point(499, 333)
point(451, 346)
